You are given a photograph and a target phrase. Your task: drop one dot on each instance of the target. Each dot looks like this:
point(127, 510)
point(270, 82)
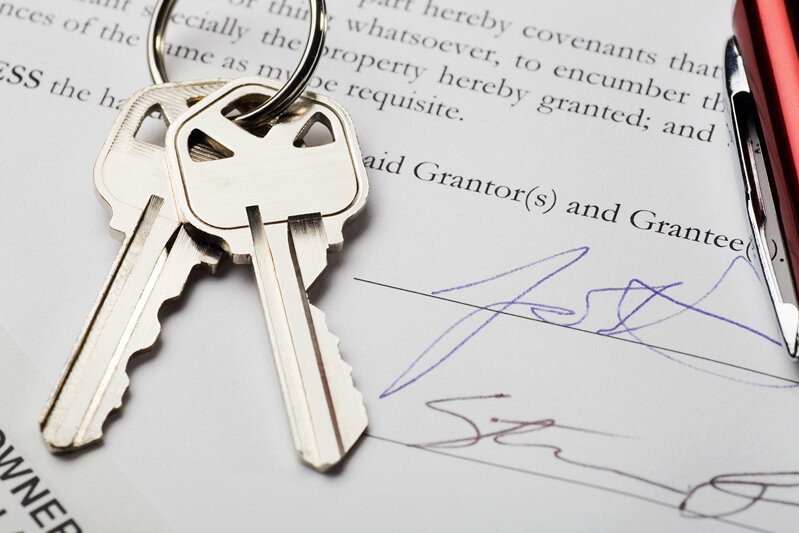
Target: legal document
point(551, 304)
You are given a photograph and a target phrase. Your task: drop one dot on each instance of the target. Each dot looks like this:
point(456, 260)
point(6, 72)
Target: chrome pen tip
point(788, 317)
point(750, 150)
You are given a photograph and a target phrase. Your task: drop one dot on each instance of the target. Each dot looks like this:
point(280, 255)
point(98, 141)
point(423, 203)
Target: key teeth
point(144, 342)
point(347, 399)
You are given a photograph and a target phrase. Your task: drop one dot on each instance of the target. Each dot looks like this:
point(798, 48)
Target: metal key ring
point(284, 97)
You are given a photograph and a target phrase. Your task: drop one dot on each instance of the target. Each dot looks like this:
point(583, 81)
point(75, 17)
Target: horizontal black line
point(557, 478)
point(571, 328)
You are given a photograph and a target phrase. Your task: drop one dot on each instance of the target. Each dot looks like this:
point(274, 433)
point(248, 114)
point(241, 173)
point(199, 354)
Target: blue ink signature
point(429, 359)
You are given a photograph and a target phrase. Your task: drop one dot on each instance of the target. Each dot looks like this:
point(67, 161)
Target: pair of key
point(258, 194)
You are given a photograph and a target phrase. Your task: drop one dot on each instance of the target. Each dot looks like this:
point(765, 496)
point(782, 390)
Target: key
point(152, 267)
point(269, 198)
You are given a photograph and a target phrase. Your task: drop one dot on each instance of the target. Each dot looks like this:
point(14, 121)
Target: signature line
point(572, 328)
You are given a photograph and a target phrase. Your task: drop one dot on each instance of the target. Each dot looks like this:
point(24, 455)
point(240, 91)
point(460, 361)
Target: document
point(551, 303)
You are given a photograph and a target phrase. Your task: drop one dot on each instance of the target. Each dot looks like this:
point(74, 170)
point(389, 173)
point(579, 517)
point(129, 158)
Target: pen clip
point(744, 127)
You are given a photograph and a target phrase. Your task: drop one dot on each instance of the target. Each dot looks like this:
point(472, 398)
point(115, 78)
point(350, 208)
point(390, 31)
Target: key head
point(218, 169)
point(130, 170)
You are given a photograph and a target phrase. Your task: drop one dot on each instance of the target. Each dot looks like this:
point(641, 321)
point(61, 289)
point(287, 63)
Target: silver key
point(152, 267)
point(268, 199)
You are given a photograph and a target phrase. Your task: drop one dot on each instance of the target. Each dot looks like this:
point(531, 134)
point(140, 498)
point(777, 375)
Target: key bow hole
point(316, 132)
point(152, 128)
point(203, 148)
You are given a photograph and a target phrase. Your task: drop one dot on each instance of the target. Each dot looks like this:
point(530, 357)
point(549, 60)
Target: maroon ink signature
point(740, 491)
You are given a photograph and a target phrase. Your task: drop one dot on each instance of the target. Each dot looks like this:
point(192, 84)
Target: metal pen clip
point(762, 205)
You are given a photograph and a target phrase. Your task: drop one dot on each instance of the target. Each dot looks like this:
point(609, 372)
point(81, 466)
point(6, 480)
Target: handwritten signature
point(721, 497)
point(438, 352)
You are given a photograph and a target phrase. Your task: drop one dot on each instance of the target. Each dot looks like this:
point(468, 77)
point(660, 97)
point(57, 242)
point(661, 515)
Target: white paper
point(524, 368)
point(44, 492)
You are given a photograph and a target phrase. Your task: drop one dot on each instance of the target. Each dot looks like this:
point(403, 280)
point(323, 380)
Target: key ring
point(284, 97)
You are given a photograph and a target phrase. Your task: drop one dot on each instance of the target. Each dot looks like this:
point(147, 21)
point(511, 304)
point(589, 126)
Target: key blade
point(308, 244)
point(151, 268)
point(763, 213)
point(326, 412)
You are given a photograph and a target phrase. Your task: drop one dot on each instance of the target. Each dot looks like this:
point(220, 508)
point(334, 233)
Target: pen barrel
point(767, 32)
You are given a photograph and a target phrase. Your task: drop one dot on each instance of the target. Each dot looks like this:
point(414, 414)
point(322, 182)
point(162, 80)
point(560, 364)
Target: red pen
point(762, 76)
